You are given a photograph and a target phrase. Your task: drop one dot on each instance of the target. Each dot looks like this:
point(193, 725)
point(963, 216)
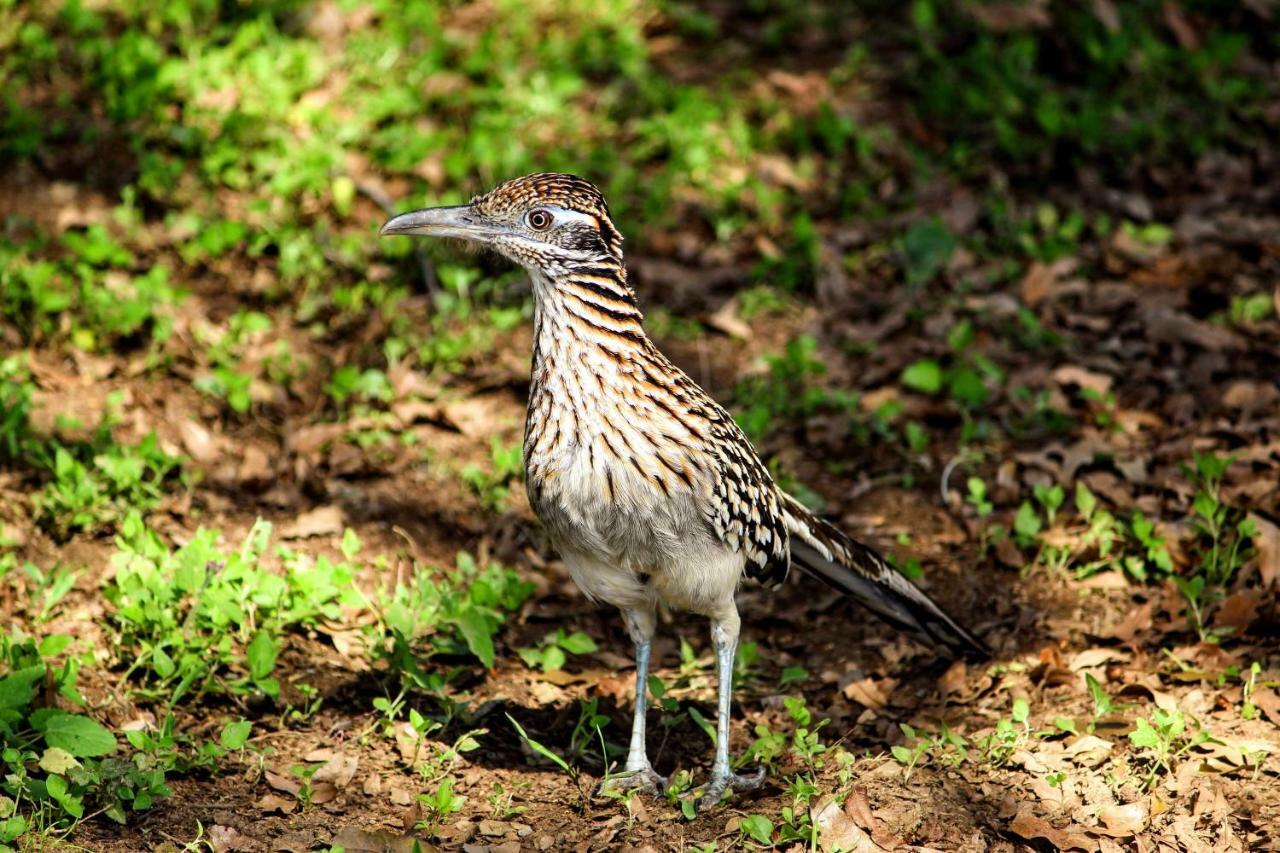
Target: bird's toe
point(644, 779)
point(713, 792)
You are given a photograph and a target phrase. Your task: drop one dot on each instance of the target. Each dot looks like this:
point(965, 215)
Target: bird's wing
point(744, 511)
point(823, 551)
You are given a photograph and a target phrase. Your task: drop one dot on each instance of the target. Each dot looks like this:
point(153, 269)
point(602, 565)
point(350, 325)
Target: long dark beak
point(457, 221)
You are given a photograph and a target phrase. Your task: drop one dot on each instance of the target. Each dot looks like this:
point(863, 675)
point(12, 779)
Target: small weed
point(550, 654)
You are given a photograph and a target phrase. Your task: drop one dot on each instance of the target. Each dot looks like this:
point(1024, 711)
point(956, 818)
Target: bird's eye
point(538, 220)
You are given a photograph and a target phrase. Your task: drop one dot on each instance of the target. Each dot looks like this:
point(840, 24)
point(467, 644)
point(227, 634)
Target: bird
point(647, 488)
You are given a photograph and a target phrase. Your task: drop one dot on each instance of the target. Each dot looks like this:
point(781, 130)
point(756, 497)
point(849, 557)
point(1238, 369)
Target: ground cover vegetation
point(993, 283)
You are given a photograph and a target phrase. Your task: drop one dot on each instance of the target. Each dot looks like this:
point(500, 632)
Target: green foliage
point(96, 484)
point(203, 618)
point(60, 765)
point(1080, 86)
point(550, 654)
point(787, 391)
point(492, 487)
point(454, 612)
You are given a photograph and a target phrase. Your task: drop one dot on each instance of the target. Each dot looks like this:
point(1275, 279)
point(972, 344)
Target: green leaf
point(578, 643)
point(78, 735)
point(901, 754)
point(57, 760)
point(924, 375)
point(703, 724)
point(475, 630)
point(16, 688)
point(235, 734)
point(1144, 735)
point(1026, 523)
point(927, 247)
point(350, 544)
point(759, 827)
point(539, 748)
point(261, 653)
point(1086, 503)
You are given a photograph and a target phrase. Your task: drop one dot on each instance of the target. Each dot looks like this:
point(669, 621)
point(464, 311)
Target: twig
point(379, 196)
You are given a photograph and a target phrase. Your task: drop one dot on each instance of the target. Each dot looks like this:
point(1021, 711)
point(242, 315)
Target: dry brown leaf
point(1041, 279)
point(198, 441)
point(725, 319)
point(286, 782)
point(321, 521)
point(1089, 658)
point(1240, 610)
point(838, 831)
point(1268, 544)
point(1029, 826)
point(858, 807)
point(276, 803)
point(1089, 380)
point(1089, 751)
point(353, 839)
point(1268, 702)
point(323, 792)
point(339, 768)
point(226, 839)
point(1123, 821)
point(869, 693)
point(953, 680)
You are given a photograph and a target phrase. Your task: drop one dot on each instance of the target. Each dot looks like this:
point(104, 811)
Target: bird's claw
point(714, 790)
point(644, 779)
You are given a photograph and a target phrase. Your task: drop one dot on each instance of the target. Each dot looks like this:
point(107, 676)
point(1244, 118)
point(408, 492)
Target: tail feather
point(821, 550)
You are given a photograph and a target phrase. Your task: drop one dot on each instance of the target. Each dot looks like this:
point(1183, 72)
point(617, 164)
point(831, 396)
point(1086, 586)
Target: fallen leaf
point(339, 769)
point(321, 521)
point(1090, 658)
point(1040, 280)
point(1089, 751)
point(353, 839)
point(1240, 610)
point(1088, 380)
point(1029, 826)
point(198, 441)
point(726, 319)
point(225, 839)
point(838, 831)
point(868, 693)
point(1123, 821)
point(286, 782)
point(953, 680)
point(323, 792)
point(1268, 544)
point(1268, 702)
point(275, 803)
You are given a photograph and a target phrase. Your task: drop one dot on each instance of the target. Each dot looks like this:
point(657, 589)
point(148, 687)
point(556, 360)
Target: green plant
point(60, 766)
point(493, 487)
point(1163, 738)
point(550, 653)
point(201, 618)
point(445, 612)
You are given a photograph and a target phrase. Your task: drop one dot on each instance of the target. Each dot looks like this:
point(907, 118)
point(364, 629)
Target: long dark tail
point(821, 550)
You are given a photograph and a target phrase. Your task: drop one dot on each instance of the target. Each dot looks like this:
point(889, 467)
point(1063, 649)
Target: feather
point(824, 552)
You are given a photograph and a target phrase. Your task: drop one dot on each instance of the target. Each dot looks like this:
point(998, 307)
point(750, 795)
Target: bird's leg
point(724, 636)
point(639, 773)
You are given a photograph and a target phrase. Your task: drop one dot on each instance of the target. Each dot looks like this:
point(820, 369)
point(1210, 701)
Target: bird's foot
point(714, 790)
point(644, 779)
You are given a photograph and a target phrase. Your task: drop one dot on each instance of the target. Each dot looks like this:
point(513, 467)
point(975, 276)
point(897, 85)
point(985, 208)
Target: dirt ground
point(1139, 330)
point(1126, 335)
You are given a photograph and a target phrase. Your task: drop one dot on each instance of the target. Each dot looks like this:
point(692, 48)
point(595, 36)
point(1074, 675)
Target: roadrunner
point(646, 486)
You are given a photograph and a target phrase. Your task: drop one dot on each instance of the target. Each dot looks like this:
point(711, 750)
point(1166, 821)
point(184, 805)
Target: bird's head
point(543, 222)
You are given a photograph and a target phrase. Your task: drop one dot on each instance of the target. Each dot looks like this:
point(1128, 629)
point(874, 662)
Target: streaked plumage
point(646, 486)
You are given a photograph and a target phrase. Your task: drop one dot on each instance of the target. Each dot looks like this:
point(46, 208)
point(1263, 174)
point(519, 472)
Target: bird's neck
point(583, 311)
